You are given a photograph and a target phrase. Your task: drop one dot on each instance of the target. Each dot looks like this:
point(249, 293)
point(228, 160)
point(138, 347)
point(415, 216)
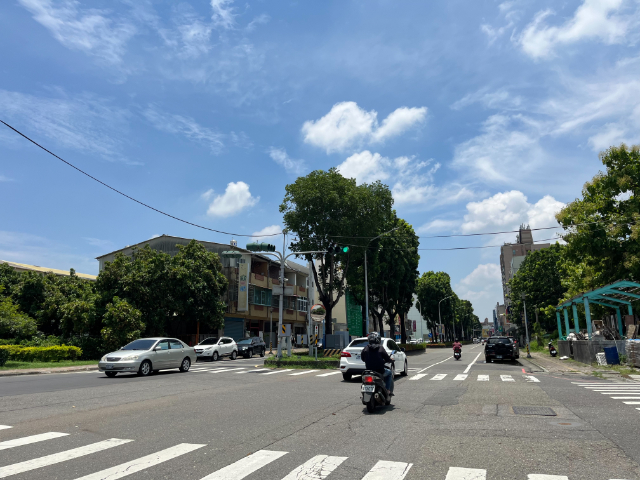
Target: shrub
point(4, 356)
point(122, 324)
point(42, 354)
point(93, 348)
point(13, 322)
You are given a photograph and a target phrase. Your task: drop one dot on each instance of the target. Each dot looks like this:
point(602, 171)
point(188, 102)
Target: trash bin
point(611, 354)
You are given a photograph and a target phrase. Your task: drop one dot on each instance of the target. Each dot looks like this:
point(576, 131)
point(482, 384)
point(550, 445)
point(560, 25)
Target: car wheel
point(111, 374)
point(145, 369)
point(487, 360)
point(406, 369)
point(234, 355)
point(345, 376)
point(186, 364)
point(250, 354)
point(262, 353)
point(214, 357)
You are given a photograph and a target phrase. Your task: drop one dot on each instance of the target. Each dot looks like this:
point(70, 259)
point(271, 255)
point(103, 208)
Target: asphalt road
point(441, 424)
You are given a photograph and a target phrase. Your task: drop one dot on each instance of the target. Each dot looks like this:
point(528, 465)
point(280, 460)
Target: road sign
point(285, 331)
point(430, 335)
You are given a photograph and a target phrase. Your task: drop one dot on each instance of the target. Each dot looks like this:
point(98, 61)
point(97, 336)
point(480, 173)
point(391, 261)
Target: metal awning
point(614, 295)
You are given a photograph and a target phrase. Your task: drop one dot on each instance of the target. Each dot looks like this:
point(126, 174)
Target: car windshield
point(246, 341)
point(140, 345)
point(209, 341)
point(360, 343)
point(494, 341)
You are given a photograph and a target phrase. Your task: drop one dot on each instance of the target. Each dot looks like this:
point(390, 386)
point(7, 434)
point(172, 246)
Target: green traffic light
point(345, 249)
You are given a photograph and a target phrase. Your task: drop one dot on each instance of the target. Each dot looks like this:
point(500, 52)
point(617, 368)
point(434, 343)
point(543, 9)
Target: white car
point(213, 348)
point(351, 364)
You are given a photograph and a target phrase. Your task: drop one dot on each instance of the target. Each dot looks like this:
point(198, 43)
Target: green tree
point(540, 279)
point(122, 324)
point(14, 323)
point(602, 228)
point(433, 287)
point(325, 209)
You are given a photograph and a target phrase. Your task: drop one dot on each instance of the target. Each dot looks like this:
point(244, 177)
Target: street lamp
point(526, 327)
point(366, 284)
point(421, 320)
point(439, 316)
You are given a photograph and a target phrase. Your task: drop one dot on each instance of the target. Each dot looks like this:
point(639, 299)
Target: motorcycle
point(373, 390)
point(457, 353)
point(552, 350)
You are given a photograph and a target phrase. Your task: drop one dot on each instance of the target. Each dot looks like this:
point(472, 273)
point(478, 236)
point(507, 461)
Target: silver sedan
point(147, 355)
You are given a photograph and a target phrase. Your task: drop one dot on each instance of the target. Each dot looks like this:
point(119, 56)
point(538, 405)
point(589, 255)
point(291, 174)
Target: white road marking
point(256, 370)
point(225, 370)
point(507, 378)
point(327, 374)
point(245, 466)
point(546, 477)
point(461, 377)
point(456, 473)
point(17, 442)
point(384, 470)
point(318, 468)
point(531, 379)
point(305, 372)
point(277, 371)
point(626, 398)
point(439, 376)
point(47, 460)
point(483, 378)
point(471, 364)
point(427, 368)
point(3, 427)
point(417, 376)
point(632, 403)
point(139, 464)
point(617, 391)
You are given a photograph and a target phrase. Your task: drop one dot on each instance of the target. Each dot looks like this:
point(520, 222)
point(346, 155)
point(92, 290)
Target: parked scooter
point(552, 350)
point(457, 353)
point(373, 390)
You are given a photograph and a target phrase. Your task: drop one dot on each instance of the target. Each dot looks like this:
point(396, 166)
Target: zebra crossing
point(629, 393)
point(318, 467)
point(465, 377)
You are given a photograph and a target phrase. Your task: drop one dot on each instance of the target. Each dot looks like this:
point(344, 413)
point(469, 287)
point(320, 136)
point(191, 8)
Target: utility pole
point(526, 328)
point(439, 316)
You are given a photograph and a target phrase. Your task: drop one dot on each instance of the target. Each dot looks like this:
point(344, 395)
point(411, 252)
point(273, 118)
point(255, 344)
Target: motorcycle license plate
point(498, 356)
point(368, 388)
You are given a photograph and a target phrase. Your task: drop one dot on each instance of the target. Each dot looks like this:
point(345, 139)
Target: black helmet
point(374, 338)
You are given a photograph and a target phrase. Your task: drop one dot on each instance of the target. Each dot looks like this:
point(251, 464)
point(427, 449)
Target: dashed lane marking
point(530, 379)
point(440, 376)
point(277, 371)
point(418, 376)
point(225, 370)
point(18, 442)
point(4, 427)
point(328, 374)
point(461, 377)
point(252, 371)
point(507, 378)
point(318, 468)
point(304, 373)
point(245, 466)
point(384, 470)
point(483, 378)
point(456, 473)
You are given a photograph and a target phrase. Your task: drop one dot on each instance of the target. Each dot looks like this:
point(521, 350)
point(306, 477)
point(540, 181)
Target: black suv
point(500, 348)
point(248, 346)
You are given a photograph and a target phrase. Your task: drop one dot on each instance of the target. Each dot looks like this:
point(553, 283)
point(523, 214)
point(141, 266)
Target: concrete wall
point(584, 351)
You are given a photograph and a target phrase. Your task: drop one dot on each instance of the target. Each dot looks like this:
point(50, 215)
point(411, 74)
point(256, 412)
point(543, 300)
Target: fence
point(584, 351)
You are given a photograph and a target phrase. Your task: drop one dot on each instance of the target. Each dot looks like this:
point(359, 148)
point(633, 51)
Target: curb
point(15, 373)
point(525, 361)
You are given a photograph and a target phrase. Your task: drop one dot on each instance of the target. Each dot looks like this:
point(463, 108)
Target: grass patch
point(15, 365)
point(621, 369)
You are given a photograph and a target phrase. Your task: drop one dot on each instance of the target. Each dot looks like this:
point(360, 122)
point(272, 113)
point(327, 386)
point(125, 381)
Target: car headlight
point(129, 358)
point(103, 359)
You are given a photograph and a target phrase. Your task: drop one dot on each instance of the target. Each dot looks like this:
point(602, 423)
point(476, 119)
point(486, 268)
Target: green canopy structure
point(614, 295)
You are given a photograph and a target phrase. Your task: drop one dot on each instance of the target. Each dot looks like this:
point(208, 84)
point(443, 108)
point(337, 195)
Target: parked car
point(147, 355)
point(213, 348)
point(515, 344)
point(500, 348)
point(351, 364)
point(248, 346)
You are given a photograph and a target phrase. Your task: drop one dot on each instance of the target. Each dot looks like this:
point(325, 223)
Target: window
point(302, 304)
point(139, 345)
point(209, 341)
point(359, 343)
point(261, 296)
point(391, 345)
point(175, 344)
point(163, 345)
point(495, 341)
point(275, 301)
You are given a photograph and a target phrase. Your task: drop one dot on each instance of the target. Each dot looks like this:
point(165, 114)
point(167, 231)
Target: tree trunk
point(403, 330)
point(327, 319)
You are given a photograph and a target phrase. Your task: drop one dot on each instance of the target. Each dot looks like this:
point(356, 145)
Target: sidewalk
point(37, 371)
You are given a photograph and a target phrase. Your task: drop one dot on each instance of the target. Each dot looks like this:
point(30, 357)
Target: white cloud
point(365, 167)
point(267, 233)
point(280, 156)
point(185, 126)
point(6, 179)
point(222, 14)
point(236, 198)
point(603, 20)
point(483, 287)
point(347, 126)
point(438, 225)
point(90, 30)
point(499, 99)
point(207, 195)
point(84, 122)
point(104, 245)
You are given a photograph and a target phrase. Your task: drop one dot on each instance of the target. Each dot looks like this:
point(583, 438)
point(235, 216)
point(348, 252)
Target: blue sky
point(479, 115)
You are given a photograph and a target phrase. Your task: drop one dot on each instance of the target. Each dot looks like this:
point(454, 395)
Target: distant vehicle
point(148, 355)
point(500, 348)
point(213, 348)
point(351, 364)
point(248, 346)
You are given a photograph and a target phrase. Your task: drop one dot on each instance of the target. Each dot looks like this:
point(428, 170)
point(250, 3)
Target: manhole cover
point(544, 411)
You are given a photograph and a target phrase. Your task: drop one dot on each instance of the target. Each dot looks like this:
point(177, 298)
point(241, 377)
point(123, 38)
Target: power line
point(131, 198)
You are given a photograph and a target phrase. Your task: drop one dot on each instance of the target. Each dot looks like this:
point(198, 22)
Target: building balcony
point(259, 280)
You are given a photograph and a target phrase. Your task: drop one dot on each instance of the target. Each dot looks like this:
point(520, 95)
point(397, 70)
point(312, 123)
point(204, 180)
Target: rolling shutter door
point(234, 328)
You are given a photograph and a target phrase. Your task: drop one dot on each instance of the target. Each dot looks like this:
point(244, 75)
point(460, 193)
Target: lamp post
point(526, 328)
point(439, 316)
point(366, 283)
point(421, 320)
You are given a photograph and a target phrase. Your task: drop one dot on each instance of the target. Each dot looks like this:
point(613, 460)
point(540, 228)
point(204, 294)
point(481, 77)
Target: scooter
point(373, 390)
point(457, 353)
point(552, 350)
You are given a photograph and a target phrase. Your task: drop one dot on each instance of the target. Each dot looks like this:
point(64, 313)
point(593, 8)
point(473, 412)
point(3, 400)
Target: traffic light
point(231, 254)
point(261, 247)
point(337, 249)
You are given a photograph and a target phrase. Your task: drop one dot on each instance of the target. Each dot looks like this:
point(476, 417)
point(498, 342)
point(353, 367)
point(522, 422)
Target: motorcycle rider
point(457, 346)
point(375, 356)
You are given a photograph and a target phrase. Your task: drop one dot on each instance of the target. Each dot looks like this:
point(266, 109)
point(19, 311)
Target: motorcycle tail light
point(345, 354)
point(367, 379)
